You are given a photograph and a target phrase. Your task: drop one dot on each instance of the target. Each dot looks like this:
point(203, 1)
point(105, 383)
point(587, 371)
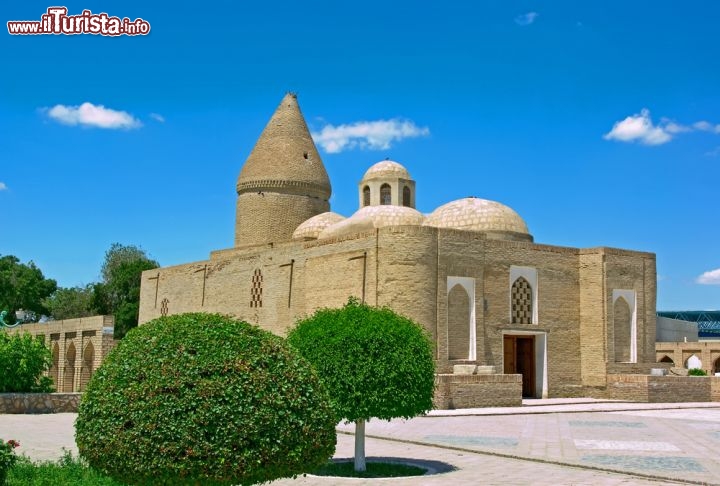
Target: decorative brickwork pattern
point(521, 299)
point(164, 307)
point(256, 289)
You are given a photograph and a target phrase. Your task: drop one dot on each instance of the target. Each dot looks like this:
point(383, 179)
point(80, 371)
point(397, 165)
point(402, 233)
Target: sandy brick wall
point(475, 391)
point(662, 389)
point(407, 269)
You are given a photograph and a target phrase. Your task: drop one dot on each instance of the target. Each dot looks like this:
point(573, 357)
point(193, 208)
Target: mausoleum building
point(509, 316)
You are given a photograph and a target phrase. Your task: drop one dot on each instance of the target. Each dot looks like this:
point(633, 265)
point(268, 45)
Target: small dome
point(385, 169)
point(311, 228)
point(475, 214)
point(371, 217)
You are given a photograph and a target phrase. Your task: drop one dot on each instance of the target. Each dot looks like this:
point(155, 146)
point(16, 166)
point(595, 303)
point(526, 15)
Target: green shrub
point(204, 399)
point(697, 372)
point(374, 362)
point(23, 359)
point(7, 457)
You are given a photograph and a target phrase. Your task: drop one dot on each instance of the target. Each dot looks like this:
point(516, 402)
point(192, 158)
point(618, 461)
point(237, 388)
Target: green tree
point(374, 362)
point(119, 292)
point(197, 398)
point(23, 359)
point(23, 286)
point(69, 303)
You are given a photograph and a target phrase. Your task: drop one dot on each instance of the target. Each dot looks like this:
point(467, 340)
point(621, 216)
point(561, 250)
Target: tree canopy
point(68, 303)
point(374, 362)
point(119, 292)
point(23, 286)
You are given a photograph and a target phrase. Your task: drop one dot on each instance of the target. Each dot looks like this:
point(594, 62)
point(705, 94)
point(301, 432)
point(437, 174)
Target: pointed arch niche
point(461, 318)
point(69, 375)
point(624, 326)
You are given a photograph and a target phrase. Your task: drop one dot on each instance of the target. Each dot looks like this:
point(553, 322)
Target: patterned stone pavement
point(542, 443)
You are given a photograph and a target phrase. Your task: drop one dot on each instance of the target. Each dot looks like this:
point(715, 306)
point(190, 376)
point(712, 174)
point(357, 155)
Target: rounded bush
point(204, 399)
point(374, 362)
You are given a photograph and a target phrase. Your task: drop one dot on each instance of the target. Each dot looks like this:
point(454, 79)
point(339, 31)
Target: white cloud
point(3, 186)
point(373, 135)
point(526, 19)
point(640, 128)
point(92, 115)
point(704, 126)
point(711, 277)
point(157, 117)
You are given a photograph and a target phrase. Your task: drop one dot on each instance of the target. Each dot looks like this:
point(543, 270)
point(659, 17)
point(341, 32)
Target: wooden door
point(519, 358)
point(526, 364)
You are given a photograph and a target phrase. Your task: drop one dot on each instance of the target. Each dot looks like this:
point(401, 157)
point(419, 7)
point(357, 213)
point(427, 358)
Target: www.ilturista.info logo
point(57, 21)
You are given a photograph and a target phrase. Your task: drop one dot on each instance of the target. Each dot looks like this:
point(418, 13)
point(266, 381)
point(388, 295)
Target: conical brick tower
point(283, 182)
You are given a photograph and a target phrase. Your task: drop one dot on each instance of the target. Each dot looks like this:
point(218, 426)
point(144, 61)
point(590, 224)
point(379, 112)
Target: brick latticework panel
point(622, 328)
point(521, 302)
point(458, 323)
point(164, 307)
point(256, 290)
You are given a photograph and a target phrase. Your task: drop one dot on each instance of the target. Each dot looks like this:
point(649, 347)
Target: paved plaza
point(545, 442)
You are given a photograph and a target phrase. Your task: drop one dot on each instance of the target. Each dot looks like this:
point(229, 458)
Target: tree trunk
point(360, 445)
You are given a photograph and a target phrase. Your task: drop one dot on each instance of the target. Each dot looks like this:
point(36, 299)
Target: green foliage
point(22, 286)
point(119, 254)
point(69, 303)
point(119, 293)
point(7, 457)
point(23, 359)
point(68, 470)
point(696, 372)
point(374, 362)
point(204, 399)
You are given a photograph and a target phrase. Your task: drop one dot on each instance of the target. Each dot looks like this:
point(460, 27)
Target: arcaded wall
point(79, 346)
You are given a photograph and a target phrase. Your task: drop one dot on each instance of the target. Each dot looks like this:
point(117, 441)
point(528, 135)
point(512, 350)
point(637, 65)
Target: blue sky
point(598, 122)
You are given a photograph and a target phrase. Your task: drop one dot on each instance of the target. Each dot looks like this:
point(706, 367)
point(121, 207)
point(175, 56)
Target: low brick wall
point(635, 368)
point(39, 402)
point(475, 391)
point(663, 389)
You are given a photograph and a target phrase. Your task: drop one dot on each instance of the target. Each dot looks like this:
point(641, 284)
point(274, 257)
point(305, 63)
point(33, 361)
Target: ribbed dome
point(475, 214)
point(371, 217)
point(384, 169)
point(310, 229)
point(285, 158)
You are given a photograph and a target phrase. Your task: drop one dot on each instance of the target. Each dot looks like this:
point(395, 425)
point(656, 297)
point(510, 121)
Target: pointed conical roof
point(285, 157)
